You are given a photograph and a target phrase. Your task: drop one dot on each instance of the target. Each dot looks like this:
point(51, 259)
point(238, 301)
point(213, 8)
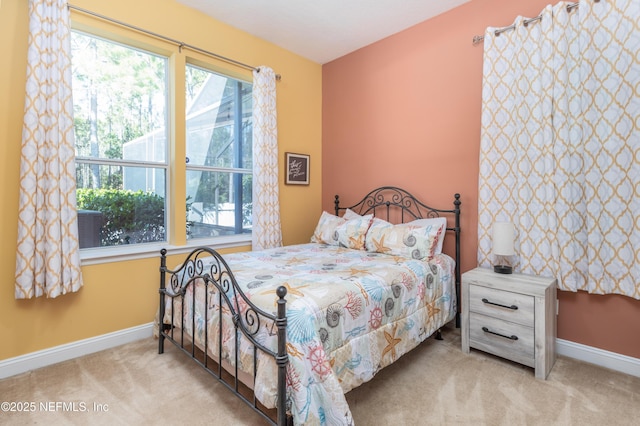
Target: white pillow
point(350, 214)
point(435, 221)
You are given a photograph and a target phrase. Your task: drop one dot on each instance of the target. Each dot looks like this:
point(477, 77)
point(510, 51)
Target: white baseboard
point(622, 363)
point(23, 363)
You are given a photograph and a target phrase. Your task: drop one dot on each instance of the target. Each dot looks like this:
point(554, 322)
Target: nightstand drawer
point(504, 305)
point(502, 338)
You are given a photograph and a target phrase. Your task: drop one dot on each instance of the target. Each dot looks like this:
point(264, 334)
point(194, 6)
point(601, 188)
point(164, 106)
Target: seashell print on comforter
point(350, 313)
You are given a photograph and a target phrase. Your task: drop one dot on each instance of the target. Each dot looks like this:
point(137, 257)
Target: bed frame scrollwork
point(204, 266)
point(219, 282)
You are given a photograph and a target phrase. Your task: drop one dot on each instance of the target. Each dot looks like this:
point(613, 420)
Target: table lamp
point(503, 236)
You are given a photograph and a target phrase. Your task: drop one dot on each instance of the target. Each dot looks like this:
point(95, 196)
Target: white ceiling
point(322, 30)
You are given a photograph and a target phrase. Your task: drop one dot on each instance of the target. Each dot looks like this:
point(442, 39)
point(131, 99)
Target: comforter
point(350, 313)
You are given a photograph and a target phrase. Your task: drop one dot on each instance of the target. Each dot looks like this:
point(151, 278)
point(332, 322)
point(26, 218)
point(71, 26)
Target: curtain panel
point(266, 230)
point(47, 257)
point(560, 145)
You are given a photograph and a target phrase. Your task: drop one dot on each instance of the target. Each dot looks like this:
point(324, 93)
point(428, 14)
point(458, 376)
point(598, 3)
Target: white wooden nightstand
point(512, 316)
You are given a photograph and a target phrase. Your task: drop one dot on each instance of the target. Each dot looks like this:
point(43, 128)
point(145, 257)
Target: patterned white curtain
point(266, 231)
point(47, 258)
point(560, 145)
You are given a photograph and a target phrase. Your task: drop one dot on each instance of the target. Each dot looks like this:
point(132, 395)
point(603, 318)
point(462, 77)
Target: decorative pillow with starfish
point(333, 230)
point(325, 232)
point(352, 233)
point(410, 240)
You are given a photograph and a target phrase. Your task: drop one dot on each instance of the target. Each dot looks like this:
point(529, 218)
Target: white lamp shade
point(503, 235)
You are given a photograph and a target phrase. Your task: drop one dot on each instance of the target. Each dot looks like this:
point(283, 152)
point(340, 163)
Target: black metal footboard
point(206, 268)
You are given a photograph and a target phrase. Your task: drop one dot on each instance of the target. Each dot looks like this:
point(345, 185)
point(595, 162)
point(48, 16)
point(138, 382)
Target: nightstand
point(512, 316)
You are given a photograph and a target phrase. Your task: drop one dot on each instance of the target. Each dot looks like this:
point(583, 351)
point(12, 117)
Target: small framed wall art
point(297, 169)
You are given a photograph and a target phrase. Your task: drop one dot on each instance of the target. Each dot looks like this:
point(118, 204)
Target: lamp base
point(502, 269)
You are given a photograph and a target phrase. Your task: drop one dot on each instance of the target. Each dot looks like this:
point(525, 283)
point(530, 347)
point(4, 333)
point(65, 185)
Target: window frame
point(164, 166)
point(218, 169)
point(175, 192)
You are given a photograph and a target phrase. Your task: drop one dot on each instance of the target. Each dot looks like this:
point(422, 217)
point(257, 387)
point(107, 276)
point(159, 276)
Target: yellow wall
point(124, 294)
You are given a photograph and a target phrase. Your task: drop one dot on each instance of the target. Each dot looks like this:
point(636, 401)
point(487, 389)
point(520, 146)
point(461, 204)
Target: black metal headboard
point(390, 199)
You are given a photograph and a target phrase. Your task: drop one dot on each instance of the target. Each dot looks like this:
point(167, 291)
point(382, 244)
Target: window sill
point(94, 256)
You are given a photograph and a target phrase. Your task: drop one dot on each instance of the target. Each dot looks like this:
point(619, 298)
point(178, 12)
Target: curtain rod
point(179, 43)
point(479, 38)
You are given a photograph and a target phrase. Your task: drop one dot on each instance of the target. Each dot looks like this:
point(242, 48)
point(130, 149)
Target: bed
point(291, 329)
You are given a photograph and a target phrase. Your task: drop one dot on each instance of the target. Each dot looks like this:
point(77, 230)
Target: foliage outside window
point(120, 110)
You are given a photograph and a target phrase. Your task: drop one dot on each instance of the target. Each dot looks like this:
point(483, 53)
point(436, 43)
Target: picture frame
point(297, 166)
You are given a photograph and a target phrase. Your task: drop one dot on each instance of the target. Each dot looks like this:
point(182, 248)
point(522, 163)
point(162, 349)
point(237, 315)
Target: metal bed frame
point(209, 267)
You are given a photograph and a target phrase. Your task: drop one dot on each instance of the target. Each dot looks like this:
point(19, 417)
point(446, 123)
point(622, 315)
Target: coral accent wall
point(406, 111)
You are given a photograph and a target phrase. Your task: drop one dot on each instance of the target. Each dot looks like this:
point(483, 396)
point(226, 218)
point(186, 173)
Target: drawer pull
point(512, 337)
point(514, 307)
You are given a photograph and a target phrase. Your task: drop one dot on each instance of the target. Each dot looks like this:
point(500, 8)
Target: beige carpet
point(435, 384)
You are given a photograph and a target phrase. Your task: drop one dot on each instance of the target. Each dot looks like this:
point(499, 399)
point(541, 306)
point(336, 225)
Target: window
point(120, 110)
point(219, 141)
